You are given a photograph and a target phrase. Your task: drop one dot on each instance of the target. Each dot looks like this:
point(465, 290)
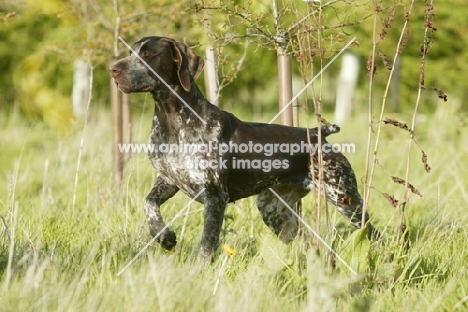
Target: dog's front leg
point(160, 192)
point(215, 204)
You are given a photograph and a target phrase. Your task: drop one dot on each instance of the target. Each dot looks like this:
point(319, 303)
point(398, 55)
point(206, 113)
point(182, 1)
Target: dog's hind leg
point(276, 215)
point(160, 193)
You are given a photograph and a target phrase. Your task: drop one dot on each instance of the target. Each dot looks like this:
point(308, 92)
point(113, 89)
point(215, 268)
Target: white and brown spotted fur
point(174, 123)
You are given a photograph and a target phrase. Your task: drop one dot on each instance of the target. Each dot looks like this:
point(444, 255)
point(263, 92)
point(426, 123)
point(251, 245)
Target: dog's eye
point(146, 53)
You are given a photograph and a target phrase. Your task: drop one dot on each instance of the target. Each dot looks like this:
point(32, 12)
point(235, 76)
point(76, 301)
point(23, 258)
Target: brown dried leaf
point(383, 32)
point(424, 160)
point(423, 49)
point(370, 65)
point(398, 180)
point(440, 94)
point(404, 41)
point(385, 61)
point(398, 124)
point(410, 186)
point(323, 121)
point(387, 23)
point(430, 25)
point(392, 200)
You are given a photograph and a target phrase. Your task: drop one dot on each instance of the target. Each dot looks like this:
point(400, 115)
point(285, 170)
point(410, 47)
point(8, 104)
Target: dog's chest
point(188, 157)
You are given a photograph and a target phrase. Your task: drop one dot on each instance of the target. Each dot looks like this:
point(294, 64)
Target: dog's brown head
point(173, 61)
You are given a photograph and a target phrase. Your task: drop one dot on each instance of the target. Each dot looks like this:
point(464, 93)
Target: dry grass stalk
point(369, 174)
point(425, 46)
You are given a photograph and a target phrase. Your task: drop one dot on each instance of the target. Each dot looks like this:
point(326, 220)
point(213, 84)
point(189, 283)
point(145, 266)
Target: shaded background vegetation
point(40, 41)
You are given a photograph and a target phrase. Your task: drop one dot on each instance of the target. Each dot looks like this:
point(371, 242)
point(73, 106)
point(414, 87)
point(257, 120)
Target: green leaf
point(355, 251)
point(273, 253)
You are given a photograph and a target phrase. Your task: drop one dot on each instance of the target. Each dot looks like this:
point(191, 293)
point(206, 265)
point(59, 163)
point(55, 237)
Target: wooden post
point(121, 113)
point(284, 82)
point(116, 103)
point(284, 71)
point(211, 81)
point(126, 122)
point(285, 88)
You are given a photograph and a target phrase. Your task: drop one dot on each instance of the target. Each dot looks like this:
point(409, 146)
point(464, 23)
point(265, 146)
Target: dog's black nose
point(115, 69)
point(114, 73)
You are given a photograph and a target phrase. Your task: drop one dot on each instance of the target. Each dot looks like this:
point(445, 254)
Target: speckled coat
point(183, 116)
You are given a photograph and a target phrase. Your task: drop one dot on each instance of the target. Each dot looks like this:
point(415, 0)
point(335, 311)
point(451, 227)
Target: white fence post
point(81, 87)
point(346, 86)
point(211, 80)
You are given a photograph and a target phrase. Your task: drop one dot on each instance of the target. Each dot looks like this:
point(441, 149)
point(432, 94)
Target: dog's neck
point(172, 114)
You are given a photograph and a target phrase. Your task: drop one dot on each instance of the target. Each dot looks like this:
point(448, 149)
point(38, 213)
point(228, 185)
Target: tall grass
point(57, 257)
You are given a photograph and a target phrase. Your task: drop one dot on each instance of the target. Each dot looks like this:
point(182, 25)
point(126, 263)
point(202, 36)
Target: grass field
point(61, 252)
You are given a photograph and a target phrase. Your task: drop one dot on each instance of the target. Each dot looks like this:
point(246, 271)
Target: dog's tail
point(329, 129)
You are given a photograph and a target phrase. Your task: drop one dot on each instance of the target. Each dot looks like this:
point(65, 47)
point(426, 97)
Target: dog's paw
point(167, 239)
point(205, 255)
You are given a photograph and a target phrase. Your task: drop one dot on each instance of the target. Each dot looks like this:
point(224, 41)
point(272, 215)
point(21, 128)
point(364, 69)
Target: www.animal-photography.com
point(233, 156)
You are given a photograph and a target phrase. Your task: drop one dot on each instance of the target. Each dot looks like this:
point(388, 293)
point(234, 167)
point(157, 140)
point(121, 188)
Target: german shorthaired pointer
point(183, 116)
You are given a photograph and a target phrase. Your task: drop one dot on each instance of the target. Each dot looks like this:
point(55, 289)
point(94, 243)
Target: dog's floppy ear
point(189, 65)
